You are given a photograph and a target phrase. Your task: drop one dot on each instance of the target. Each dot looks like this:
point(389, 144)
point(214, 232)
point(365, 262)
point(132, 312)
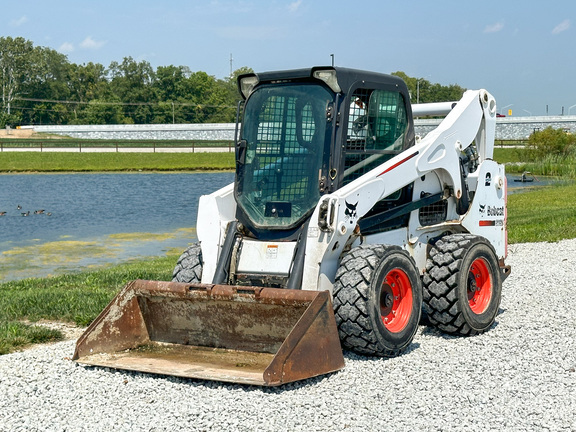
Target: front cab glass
point(286, 130)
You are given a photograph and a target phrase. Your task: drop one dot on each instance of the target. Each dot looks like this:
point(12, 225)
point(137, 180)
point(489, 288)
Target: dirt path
point(26, 134)
point(17, 133)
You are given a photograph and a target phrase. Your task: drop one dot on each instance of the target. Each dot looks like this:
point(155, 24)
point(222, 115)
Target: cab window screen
point(285, 128)
point(377, 123)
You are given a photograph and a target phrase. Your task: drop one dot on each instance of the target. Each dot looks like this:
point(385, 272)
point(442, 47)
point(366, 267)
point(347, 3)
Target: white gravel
point(521, 375)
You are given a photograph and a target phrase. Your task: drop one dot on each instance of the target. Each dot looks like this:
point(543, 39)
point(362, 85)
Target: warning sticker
point(271, 251)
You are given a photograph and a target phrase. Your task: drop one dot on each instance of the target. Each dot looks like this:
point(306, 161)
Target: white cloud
point(90, 43)
point(494, 28)
point(18, 22)
point(66, 47)
point(294, 6)
point(563, 26)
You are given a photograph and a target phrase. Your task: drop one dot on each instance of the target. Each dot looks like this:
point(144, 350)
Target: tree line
point(41, 86)
point(423, 91)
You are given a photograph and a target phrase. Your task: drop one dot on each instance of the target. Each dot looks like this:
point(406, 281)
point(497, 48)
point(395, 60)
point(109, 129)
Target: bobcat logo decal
point(350, 212)
point(482, 208)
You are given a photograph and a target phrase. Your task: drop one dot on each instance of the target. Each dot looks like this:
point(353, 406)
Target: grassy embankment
point(76, 298)
point(554, 166)
point(546, 214)
point(20, 162)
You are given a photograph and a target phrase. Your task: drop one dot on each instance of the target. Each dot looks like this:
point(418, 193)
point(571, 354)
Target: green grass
point(14, 335)
point(551, 166)
point(76, 298)
point(517, 161)
point(15, 162)
point(42, 142)
point(543, 215)
point(507, 155)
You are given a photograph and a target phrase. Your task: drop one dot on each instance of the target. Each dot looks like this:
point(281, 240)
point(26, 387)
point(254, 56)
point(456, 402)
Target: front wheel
point(377, 300)
point(189, 266)
point(462, 285)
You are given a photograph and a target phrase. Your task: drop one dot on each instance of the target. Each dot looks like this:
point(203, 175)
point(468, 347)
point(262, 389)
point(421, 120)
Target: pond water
point(522, 182)
point(77, 221)
point(58, 223)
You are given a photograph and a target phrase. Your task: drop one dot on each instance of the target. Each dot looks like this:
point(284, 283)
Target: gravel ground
point(521, 375)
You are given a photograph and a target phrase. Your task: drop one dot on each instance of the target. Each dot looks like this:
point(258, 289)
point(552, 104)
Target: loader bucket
point(248, 335)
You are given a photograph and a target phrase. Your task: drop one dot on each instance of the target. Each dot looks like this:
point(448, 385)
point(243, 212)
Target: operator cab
point(309, 132)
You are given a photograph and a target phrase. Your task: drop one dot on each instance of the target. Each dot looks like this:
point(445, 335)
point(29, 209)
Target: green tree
point(103, 112)
point(423, 91)
point(33, 80)
point(15, 65)
point(230, 86)
point(48, 81)
point(550, 142)
point(240, 71)
point(132, 82)
point(87, 82)
point(224, 96)
point(205, 98)
point(15, 118)
point(171, 82)
point(172, 89)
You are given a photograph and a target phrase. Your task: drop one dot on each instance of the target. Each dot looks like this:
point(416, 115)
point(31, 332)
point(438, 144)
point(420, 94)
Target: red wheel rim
point(479, 286)
point(396, 300)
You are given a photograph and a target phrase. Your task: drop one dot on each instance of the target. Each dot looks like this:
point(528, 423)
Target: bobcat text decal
point(491, 211)
point(495, 211)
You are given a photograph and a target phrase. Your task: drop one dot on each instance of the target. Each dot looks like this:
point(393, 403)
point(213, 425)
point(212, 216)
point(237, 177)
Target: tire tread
point(188, 268)
point(351, 292)
point(440, 283)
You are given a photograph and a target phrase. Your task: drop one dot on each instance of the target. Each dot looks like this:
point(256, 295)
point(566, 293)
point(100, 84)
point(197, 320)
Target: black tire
point(189, 266)
point(364, 300)
point(462, 285)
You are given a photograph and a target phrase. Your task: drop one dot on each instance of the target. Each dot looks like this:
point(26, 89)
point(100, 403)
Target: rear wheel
point(462, 285)
point(377, 300)
point(189, 266)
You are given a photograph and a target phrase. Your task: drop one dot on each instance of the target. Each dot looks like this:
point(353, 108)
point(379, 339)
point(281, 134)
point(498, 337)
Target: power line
point(122, 103)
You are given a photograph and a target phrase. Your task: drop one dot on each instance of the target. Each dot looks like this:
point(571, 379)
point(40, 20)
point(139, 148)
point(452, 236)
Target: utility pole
point(231, 61)
point(418, 88)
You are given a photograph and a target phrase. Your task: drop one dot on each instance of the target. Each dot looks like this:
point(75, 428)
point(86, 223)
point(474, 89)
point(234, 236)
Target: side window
point(377, 123)
point(386, 121)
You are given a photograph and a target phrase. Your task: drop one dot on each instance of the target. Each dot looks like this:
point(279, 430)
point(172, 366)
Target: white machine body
point(432, 165)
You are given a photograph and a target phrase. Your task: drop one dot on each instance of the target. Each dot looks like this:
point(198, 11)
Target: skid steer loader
point(342, 229)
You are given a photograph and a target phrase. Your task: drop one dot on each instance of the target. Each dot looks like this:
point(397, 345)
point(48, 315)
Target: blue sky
point(522, 52)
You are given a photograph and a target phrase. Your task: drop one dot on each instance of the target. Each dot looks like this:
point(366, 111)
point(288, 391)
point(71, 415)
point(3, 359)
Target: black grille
point(433, 213)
